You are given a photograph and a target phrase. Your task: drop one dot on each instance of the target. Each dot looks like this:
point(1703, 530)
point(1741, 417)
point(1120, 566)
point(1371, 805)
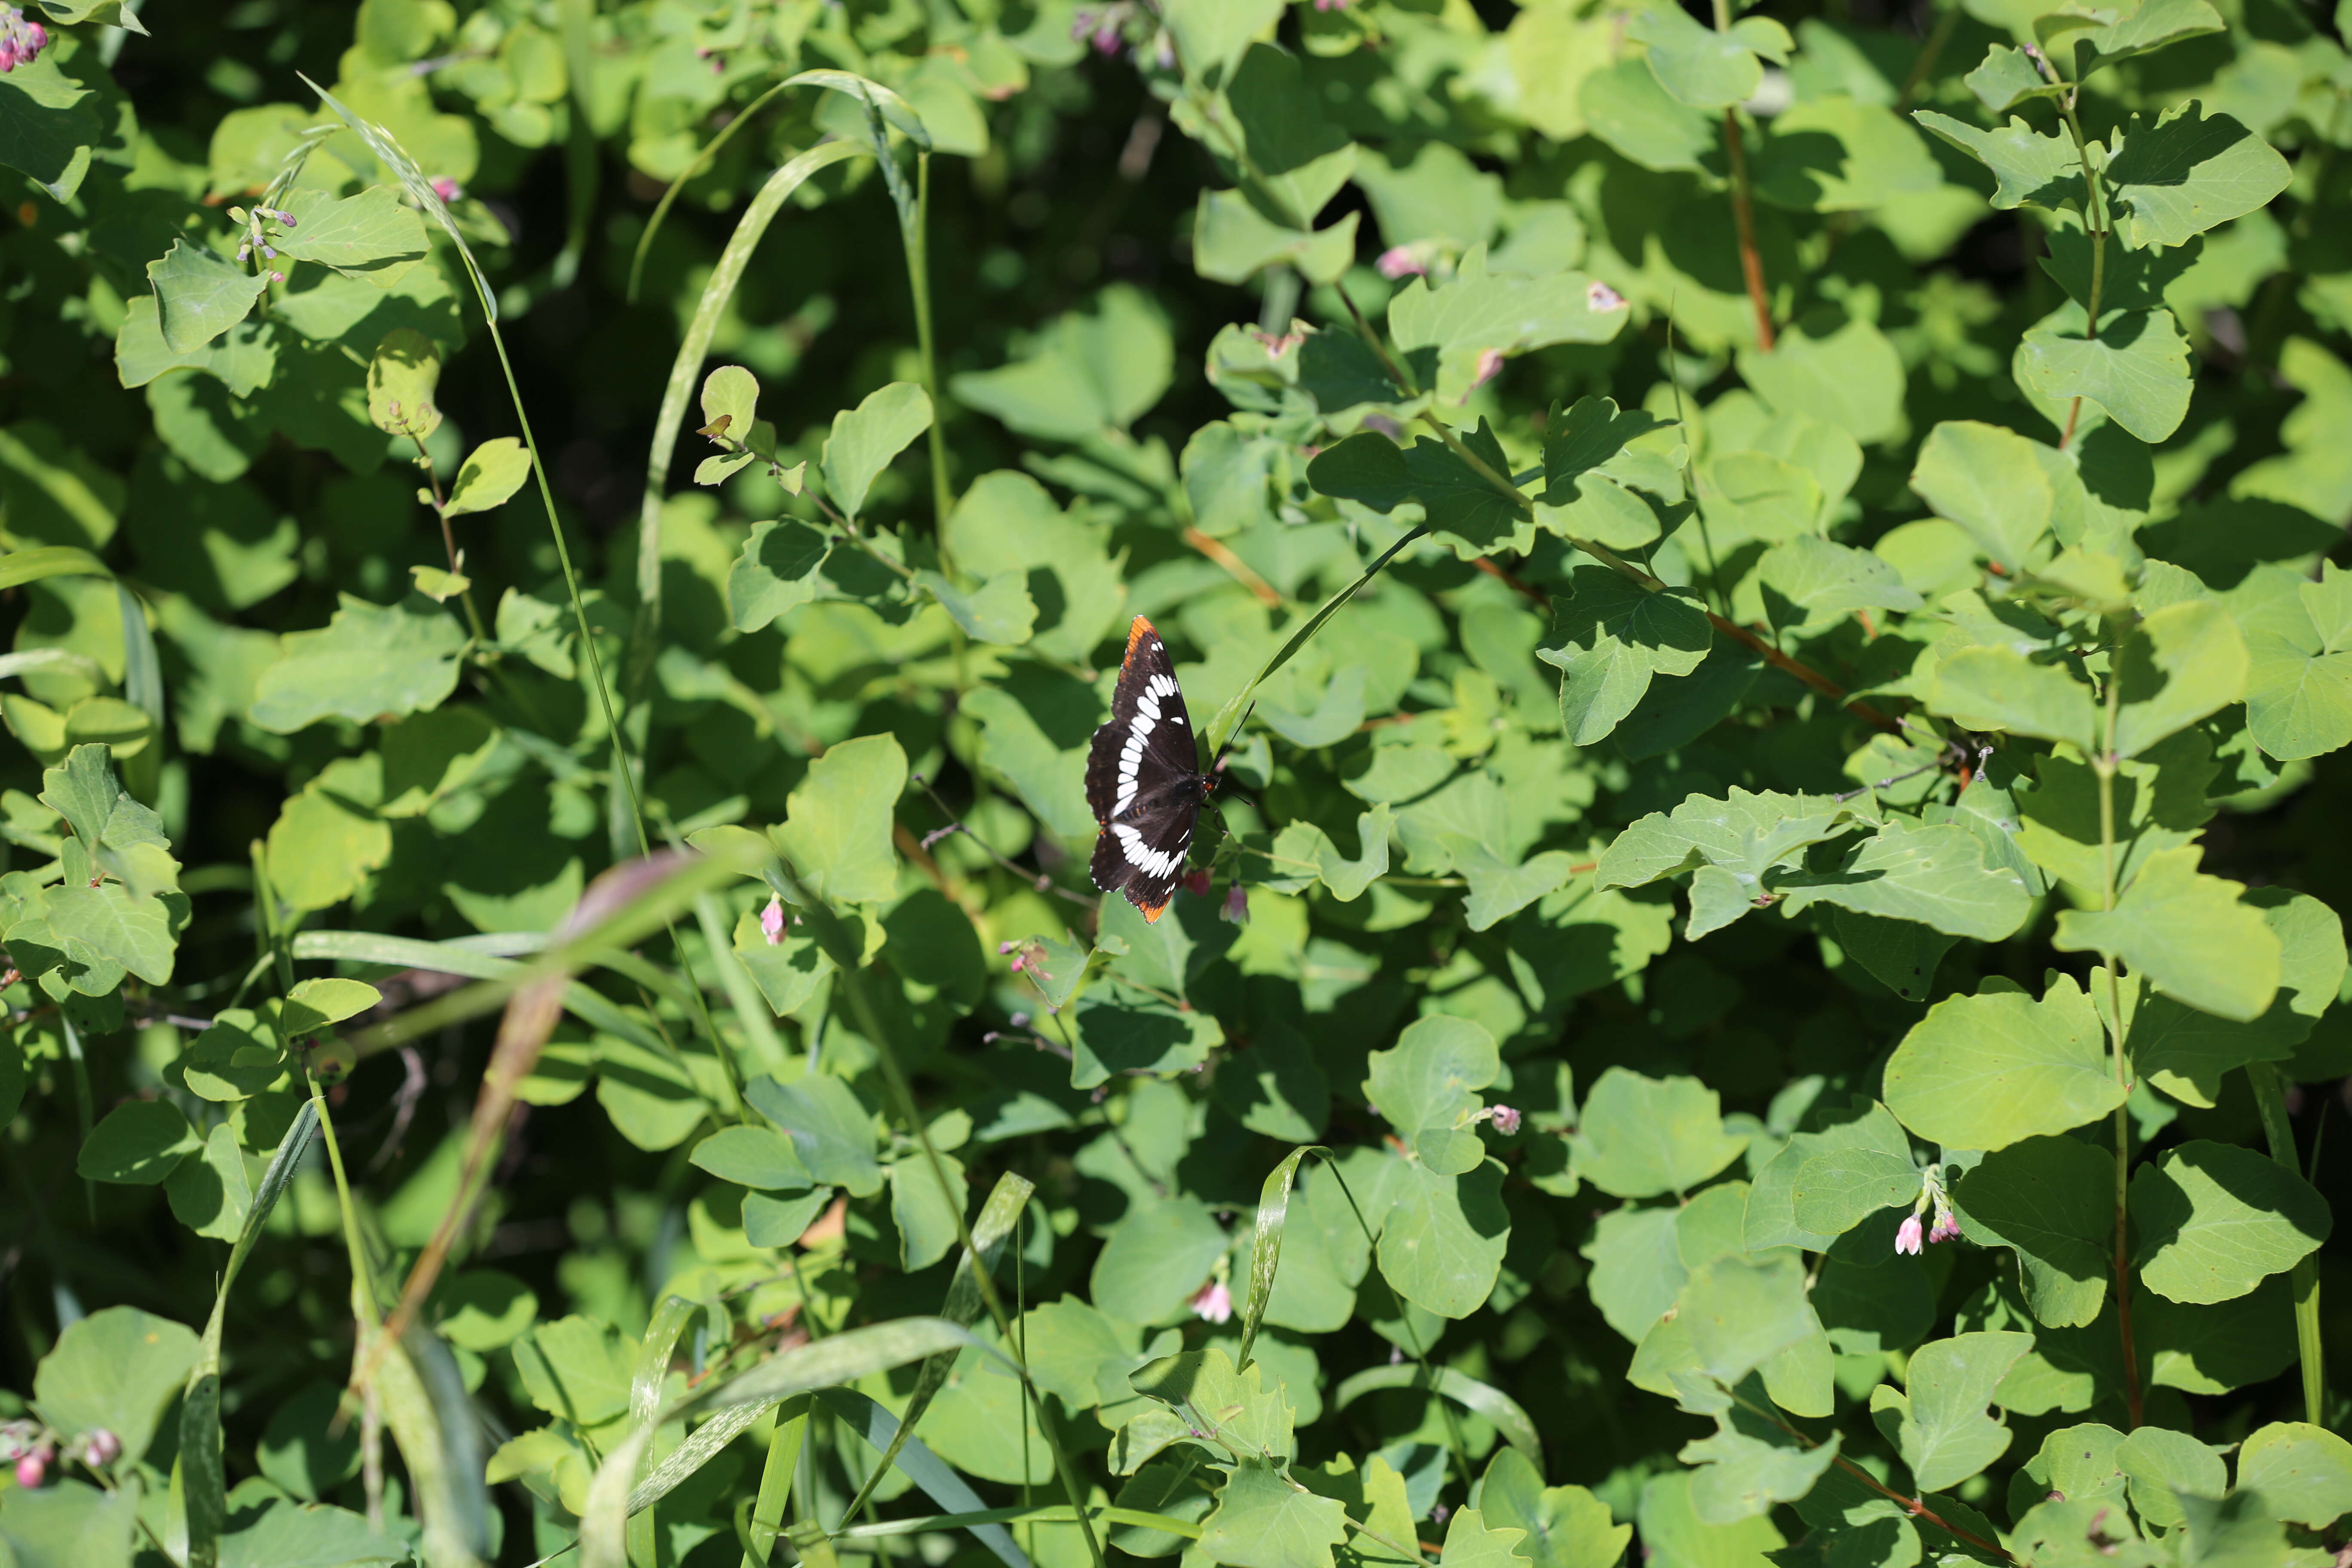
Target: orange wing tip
point(1139, 629)
point(1151, 912)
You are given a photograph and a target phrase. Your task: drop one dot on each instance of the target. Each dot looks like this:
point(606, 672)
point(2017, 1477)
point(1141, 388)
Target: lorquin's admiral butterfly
point(1143, 779)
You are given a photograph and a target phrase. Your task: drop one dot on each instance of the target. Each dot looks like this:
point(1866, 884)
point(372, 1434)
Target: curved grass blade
point(1222, 727)
point(921, 1466)
point(20, 566)
point(701, 1445)
point(199, 1481)
point(591, 1007)
point(686, 369)
point(51, 660)
point(1034, 1513)
point(1266, 1248)
point(842, 1358)
point(1478, 1399)
point(997, 1218)
point(702, 161)
point(646, 1380)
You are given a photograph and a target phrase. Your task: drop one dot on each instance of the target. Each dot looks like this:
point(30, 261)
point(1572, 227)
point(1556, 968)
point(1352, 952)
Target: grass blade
point(1479, 1398)
point(591, 1007)
point(921, 1466)
point(1266, 1248)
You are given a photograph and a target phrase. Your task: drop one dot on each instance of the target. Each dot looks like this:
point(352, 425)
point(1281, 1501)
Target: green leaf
point(1566, 1527)
point(2136, 369)
point(1479, 1398)
point(1998, 1068)
point(2028, 165)
point(401, 379)
point(1232, 1407)
point(211, 1194)
point(776, 573)
point(2159, 1463)
point(1999, 688)
point(926, 1216)
point(1836, 1191)
point(113, 1371)
point(2214, 1220)
point(1749, 1464)
point(1700, 66)
point(123, 836)
point(484, 1308)
point(2151, 27)
point(1838, 154)
point(1427, 1087)
point(2304, 1472)
point(865, 438)
point(999, 611)
point(1211, 35)
point(369, 660)
point(2007, 78)
point(2191, 935)
point(1809, 580)
point(490, 477)
point(372, 235)
point(1741, 1311)
point(1591, 432)
point(2052, 1199)
point(1945, 1435)
point(1264, 1520)
point(1615, 635)
point(308, 1535)
point(1836, 368)
point(1454, 496)
point(1442, 1246)
point(314, 1007)
point(1091, 373)
point(2185, 1052)
point(1634, 115)
point(1676, 1537)
point(49, 121)
point(2299, 676)
point(1986, 479)
point(1640, 1137)
point(2181, 663)
point(1234, 242)
point(106, 931)
point(2187, 173)
point(1311, 857)
point(831, 1132)
point(1477, 313)
point(1934, 875)
point(1770, 1219)
point(1296, 159)
point(837, 830)
point(754, 1157)
point(200, 294)
point(139, 1142)
point(1155, 1259)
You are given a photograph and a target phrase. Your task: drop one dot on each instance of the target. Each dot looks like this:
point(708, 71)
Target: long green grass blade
point(1265, 1247)
point(925, 1468)
point(1479, 1398)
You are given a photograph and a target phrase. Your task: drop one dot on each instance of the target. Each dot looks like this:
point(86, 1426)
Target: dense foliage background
point(1762, 987)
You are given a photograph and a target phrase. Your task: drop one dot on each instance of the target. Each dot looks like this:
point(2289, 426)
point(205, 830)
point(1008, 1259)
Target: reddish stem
point(1751, 260)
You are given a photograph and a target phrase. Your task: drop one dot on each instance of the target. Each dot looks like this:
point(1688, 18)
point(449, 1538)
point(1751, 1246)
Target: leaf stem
point(1916, 1507)
point(2270, 1099)
point(2105, 764)
point(919, 278)
point(1751, 260)
point(2095, 219)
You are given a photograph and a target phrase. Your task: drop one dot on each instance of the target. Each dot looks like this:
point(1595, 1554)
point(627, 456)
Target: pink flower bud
point(1399, 261)
point(1602, 297)
point(1236, 908)
point(1213, 1302)
point(1490, 365)
point(31, 1470)
point(1946, 1229)
point(1197, 883)
point(447, 189)
point(771, 920)
point(1506, 1120)
point(1906, 1240)
point(102, 1447)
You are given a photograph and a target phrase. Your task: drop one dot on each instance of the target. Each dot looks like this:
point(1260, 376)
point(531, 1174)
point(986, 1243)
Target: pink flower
point(21, 42)
point(1906, 1240)
point(1490, 365)
point(1330, 4)
point(1197, 883)
point(771, 920)
point(1399, 261)
point(1946, 1229)
point(31, 1470)
point(1213, 1302)
point(447, 189)
point(1236, 908)
point(1602, 297)
point(1506, 1120)
point(102, 1447)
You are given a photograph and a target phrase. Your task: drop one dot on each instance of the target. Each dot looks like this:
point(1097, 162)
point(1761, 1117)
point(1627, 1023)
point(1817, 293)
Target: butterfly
point(1143, 780)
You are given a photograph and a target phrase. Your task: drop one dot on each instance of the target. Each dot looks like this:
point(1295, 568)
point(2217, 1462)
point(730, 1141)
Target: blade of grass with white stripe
point(1265, 1247)
point(842, 1358)
point(997, 1218)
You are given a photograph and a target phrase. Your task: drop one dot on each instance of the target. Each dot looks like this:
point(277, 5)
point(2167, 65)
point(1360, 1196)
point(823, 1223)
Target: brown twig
point(1217, 552)
point(1916, 1507)
point(1751, 260)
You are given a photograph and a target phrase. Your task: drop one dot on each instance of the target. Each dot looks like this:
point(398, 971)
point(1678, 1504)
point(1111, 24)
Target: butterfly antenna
point(1226, 750)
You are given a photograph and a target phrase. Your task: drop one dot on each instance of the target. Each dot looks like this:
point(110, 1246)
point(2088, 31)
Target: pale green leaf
point(1998, 1068)
point(2189, 934)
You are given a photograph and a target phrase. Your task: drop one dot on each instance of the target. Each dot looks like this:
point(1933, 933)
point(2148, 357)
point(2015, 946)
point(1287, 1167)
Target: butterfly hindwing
point(1142, 778)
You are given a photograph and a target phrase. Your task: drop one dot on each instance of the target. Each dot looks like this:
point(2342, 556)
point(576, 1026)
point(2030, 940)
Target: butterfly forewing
point(1142, 778)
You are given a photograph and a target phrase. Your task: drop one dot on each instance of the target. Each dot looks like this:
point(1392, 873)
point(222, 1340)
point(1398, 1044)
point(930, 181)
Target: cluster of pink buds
point(1213, 1302)
point(1197, 883)
point(1945, 1227)
point(259, 234)
point(771, 920)
point(21, 42)
point(1403, 261)
point(1505, 1117)
point(1104, 27)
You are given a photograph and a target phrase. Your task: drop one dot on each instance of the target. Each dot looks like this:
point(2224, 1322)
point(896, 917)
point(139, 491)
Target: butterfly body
point(1144, 781)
